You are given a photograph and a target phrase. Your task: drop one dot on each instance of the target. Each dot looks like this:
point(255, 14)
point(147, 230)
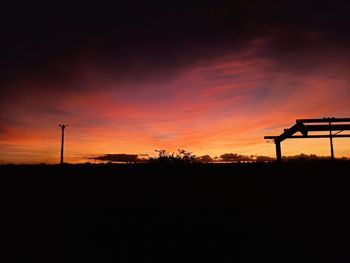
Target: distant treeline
point(183, 156)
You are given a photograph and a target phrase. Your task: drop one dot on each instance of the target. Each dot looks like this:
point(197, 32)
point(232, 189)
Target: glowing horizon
point(202, 79)
point(219, 106)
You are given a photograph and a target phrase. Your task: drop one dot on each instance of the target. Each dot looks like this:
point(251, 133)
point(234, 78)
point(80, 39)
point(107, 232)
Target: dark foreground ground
point(146, 213)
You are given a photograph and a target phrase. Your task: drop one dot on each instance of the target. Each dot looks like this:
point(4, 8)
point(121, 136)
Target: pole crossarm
point(317, 125)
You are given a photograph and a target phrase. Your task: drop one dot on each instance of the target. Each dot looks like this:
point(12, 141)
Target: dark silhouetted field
point(215, 212)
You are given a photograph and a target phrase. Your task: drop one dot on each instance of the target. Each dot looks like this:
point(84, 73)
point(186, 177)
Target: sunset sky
point(209, 77)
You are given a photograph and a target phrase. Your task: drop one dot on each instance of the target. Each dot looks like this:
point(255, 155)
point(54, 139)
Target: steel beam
point(323, 120)
point(305, 129)
point(327, 127)
point(270, 137)
point(314, 136)
point(299, 127)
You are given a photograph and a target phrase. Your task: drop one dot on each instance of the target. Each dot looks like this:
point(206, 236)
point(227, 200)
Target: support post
point(278, 151)
point(331, 141)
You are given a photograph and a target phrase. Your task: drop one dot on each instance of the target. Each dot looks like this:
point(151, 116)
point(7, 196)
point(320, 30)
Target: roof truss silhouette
point(332, 125)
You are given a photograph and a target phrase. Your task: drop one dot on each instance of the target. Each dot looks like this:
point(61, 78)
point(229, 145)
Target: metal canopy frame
point(304, 126)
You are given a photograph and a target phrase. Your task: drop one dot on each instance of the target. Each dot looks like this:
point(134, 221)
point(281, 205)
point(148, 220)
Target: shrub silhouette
point(182, 156)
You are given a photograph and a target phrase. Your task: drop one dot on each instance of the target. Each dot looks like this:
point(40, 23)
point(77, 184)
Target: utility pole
point(63, 126)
